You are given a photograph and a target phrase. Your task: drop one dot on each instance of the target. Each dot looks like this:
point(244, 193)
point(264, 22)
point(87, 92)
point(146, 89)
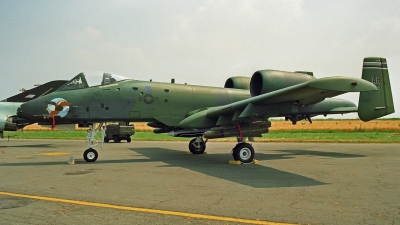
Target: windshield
point(82, 81)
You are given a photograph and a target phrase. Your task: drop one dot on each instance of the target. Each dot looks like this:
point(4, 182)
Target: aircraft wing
point(303, 94)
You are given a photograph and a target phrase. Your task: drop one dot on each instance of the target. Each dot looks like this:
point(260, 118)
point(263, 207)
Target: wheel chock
point(71, 160)
point(237, 162)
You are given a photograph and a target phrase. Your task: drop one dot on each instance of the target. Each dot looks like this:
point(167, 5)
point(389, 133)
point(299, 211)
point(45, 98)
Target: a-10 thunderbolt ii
point(241, 109)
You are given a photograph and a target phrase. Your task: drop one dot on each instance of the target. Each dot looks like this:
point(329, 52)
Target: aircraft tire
point(243, 152)
point(233, 154)
point(197, 148)
point(90, 155)
point(116, 139)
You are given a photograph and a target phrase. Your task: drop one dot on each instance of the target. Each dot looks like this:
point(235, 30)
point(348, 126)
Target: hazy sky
point(195, 42)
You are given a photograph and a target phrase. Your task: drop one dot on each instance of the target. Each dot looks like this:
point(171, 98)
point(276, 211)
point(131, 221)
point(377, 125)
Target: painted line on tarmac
point(144, 210)
point(54, 153)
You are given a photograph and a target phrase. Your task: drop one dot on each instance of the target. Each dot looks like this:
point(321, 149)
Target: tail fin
point(375, 104)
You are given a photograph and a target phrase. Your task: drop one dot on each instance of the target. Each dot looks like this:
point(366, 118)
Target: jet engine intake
point(238, 83)
point(265, 81)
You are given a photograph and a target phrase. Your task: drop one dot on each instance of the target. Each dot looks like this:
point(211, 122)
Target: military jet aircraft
point(8, 107)
point(241, 109)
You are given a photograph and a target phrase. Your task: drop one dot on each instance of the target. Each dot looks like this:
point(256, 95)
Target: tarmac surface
point(160, 183)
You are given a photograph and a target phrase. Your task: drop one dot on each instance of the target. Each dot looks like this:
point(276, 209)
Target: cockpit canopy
point(80, 81)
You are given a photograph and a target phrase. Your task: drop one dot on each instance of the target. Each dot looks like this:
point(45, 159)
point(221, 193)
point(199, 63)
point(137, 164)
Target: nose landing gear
point(91, 155)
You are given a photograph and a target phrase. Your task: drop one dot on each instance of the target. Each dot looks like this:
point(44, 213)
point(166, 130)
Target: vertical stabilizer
point(375, 104)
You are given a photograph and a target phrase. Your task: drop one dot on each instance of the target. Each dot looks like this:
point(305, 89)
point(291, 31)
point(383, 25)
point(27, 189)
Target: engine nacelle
point(265, 81)
point(238, 83)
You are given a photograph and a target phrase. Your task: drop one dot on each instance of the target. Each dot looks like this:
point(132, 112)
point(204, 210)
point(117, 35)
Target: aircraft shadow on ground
point(216, 165)
point(254, 175)
point(319, 153)
point(289, 154)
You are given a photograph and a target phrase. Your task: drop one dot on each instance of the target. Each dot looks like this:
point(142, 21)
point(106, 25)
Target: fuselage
point(146, 101)
point(130, 101)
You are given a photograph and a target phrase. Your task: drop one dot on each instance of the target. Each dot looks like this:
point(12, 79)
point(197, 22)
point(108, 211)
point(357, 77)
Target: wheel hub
point(91, 155)
point(197, 145)
point(245, 153)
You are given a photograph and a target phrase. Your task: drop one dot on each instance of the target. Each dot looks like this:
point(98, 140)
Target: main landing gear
point(242, 152)
point(91, 155)
point(197, 145)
